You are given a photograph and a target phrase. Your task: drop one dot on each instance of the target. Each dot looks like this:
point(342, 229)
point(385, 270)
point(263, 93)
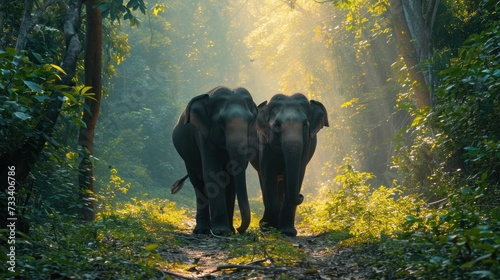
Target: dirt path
point(204, 257)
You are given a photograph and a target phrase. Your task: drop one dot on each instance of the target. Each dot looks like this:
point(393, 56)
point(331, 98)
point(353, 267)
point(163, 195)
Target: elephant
point(213, 136)
point(287, 128)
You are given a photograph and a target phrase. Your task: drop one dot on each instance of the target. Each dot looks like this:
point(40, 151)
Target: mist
point(269, 47)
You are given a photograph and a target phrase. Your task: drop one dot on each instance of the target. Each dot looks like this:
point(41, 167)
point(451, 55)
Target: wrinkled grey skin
point(287, 127)
point(212, 136)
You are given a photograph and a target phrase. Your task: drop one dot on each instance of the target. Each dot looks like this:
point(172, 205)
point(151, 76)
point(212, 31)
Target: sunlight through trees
point(406, 172)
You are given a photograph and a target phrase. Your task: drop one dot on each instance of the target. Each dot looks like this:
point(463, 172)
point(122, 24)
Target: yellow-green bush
point(355, 208)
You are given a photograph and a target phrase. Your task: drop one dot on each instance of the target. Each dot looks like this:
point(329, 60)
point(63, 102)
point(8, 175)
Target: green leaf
point(79, 122)
point(84, 90)
point(22, 116)
point(41, 98)
point(70, 97)
point(38, 57)
point(151, 247)
point(33, 86)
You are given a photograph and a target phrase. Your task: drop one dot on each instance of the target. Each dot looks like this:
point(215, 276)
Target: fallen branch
point(249, 267)
point(257, 261)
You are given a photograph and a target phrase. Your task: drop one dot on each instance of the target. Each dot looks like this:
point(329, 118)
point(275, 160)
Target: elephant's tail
point(177, 185)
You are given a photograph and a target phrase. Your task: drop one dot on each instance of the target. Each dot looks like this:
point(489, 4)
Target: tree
point(412, 24)
point(421, 35)
point(38, 132)
point(93, 79)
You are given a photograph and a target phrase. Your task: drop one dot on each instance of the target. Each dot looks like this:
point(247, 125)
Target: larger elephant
point(287, 126)
point(213, 136)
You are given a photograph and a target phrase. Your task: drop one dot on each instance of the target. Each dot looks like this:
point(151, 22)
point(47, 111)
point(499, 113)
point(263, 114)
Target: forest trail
point(206, 257)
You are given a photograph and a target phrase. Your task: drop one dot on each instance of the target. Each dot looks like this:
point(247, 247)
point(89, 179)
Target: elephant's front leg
point(287, 219)
point(269, 185)
point(288, 209)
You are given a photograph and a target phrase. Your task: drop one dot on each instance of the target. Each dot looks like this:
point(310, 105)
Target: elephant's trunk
point(237, 147)
point(292, 146)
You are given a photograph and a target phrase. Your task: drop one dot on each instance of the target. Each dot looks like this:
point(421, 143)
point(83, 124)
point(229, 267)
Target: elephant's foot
point(221, 231)
point(201, 230)
point(288, 231)
point(266, 225)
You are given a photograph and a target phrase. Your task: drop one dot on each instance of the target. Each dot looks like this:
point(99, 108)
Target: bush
point(357, 209)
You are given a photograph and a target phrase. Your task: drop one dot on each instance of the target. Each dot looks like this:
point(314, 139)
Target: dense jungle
point(402, 107)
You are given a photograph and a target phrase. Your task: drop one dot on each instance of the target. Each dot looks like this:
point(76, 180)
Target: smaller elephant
point(287, 127)
point(212, 136)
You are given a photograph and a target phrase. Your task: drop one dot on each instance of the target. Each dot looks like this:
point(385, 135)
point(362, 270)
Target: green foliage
point(456, 243)
point(27, 90)
point(121, 243)
point(355, 208)
point(106, 195)
point(467, 107)
point(115, 10)
point(451, 156)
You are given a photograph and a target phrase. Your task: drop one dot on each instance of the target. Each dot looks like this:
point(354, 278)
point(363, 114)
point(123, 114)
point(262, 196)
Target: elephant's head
point(226, 118)
point(289, 124)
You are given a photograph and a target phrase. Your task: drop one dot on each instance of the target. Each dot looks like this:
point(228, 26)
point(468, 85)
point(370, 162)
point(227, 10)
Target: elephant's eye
point(277, 125)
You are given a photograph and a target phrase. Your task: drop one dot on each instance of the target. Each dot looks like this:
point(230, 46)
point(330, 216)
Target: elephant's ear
point(318, 118)
point(263, 120)
point(197, 113)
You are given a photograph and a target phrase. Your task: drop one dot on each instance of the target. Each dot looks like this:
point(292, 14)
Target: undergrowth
point(402, 236)
point(122, 242)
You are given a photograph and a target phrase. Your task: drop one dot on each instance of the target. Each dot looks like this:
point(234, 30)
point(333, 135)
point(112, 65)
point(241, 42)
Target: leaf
point(22, 116)
point(86, 90)
point(151, 247)
point(483, 274)
point(417, 120)
point(38, 57)
point(58, 68)
point(70, 97)
point(33, 86)
point(41, 98)
point(79, 122)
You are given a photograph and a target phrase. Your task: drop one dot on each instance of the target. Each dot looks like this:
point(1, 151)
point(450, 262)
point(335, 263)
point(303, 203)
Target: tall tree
point(406, 41)
point(412, 23)
point(93, 79)
point(95, 11)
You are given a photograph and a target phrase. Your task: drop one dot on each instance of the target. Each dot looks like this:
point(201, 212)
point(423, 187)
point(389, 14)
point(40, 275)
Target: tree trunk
point(29, 20)
point(25, 27)
point(410, 57)
point(93, 66)
point(420, 16)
